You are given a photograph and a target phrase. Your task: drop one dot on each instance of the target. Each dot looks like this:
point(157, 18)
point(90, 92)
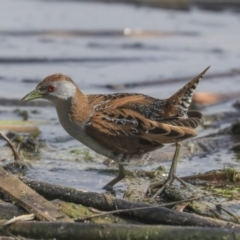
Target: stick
point(15, 152)
point(154, 215)
point(136, 209)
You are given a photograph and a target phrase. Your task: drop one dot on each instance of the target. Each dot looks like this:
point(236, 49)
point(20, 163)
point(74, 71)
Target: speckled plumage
point(122, 126)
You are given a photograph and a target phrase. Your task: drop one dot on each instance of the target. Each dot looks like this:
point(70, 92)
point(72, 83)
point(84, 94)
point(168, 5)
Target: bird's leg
point(171, 173)
point(120, 176)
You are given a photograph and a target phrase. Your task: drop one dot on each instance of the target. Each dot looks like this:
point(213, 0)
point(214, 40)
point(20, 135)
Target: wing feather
point(128, 132)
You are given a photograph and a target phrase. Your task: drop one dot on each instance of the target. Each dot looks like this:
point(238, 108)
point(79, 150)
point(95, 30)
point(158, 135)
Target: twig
point(220, 207)
point(136, 209)
point(66, 231)
point(154, 215)
point(15, 152)
point(28, 199)
point(27, 217)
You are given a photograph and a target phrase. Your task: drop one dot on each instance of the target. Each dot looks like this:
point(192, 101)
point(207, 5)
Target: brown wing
point(147, 106)
point(128, 132)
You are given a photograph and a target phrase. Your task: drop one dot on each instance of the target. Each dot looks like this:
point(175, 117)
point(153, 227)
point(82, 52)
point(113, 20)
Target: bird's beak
point(32, 95)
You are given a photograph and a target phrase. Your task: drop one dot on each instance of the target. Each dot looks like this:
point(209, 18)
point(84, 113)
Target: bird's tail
point(177, 105)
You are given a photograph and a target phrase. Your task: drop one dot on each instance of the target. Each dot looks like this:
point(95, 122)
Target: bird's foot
point(109, 189)
point(163, 185)
point(120, 176)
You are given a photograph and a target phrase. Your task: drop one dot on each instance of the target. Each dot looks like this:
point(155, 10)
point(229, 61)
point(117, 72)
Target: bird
point(122, 126)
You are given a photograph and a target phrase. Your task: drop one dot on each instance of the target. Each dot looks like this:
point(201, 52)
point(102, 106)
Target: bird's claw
point(161, 184)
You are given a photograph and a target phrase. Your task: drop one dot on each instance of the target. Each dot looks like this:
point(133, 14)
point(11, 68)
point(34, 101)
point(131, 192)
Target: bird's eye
point(51, 88)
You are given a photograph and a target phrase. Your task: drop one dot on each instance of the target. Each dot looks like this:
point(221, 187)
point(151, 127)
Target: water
point(101, 44)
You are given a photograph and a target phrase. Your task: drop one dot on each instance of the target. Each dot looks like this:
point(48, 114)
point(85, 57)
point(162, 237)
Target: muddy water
point(101, 44)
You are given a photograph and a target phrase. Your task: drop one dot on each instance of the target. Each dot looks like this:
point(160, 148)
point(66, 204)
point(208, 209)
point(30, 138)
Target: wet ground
point(100, 45)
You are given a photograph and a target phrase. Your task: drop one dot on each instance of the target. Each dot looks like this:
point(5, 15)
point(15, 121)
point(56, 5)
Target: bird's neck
point(75, 109)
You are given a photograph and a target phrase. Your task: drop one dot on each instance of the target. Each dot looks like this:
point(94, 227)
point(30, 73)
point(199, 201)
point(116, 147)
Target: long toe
point(161, 184)
point(108, 187)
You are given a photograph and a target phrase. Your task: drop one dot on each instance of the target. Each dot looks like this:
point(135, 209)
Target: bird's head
point(53, 88)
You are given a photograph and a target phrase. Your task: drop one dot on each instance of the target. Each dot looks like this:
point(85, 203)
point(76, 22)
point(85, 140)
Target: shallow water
point(102, 44)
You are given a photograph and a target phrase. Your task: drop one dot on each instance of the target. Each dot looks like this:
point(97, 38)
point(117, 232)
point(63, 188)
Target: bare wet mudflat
point(101, 45)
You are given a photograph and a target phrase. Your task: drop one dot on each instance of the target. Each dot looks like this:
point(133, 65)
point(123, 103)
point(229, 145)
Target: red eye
point(51, 88)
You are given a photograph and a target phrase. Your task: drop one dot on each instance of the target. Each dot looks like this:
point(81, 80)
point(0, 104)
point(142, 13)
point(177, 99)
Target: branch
point(15, 152)
point(103, 202)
